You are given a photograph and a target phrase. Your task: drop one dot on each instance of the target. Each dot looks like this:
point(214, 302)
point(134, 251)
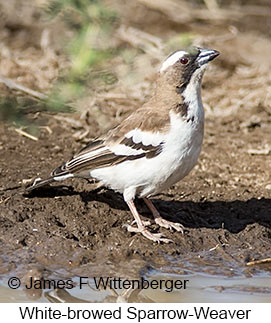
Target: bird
point(154, 147)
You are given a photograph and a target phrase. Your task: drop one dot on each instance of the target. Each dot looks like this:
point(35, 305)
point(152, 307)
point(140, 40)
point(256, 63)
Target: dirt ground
point(224, 203)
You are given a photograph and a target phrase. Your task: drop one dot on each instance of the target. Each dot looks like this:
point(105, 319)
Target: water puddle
point(199, 288)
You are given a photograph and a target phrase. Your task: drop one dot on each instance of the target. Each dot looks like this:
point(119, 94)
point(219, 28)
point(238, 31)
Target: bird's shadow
point(234, 216)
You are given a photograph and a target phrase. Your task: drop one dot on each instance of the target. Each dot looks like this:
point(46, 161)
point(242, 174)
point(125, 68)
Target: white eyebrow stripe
point(171, 60)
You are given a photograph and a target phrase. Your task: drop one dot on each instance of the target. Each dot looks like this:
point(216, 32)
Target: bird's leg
point(157, 237)
point(159, 220)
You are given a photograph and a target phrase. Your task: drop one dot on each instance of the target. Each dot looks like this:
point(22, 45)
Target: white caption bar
point(135, 313)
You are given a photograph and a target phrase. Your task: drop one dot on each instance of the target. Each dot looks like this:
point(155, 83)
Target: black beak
point(206, 55)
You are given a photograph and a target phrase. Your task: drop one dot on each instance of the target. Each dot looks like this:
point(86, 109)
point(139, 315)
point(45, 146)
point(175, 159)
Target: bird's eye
point(184, 60)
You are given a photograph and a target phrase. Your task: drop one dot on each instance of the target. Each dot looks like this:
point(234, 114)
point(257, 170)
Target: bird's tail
point(57, 175)
point(38, 182)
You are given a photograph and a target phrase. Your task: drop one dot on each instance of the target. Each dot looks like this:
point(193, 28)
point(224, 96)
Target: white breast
point(184, 146)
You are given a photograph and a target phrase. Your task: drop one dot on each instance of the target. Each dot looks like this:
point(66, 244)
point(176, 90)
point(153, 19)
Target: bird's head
point(184, 67)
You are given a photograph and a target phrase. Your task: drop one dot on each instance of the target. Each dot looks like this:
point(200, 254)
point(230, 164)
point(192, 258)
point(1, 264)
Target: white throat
point(192, 95)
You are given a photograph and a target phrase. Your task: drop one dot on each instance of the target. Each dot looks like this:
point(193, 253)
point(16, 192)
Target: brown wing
point(100, 152)
point(94, 155)
point(145, 118)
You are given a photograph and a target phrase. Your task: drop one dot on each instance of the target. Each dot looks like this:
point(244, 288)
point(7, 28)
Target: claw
point(169, 225)
point(156, 237)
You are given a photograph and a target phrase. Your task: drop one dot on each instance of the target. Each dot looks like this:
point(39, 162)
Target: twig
point(79, 135)
point(262, 151)
point(14, 86)
point(4, 189)
point(23, 133)
point(258, 262)
point(214, 248)
point(5, 200)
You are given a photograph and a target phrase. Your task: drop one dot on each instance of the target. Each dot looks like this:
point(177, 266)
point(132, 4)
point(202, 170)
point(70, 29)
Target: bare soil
point(226, 216)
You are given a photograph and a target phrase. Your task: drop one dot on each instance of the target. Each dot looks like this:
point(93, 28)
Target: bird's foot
point(160, 221)
point(145, 223)
point(169, 225)
point(156, 237)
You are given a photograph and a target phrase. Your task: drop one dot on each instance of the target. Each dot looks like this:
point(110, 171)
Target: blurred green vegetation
point(92, 24)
